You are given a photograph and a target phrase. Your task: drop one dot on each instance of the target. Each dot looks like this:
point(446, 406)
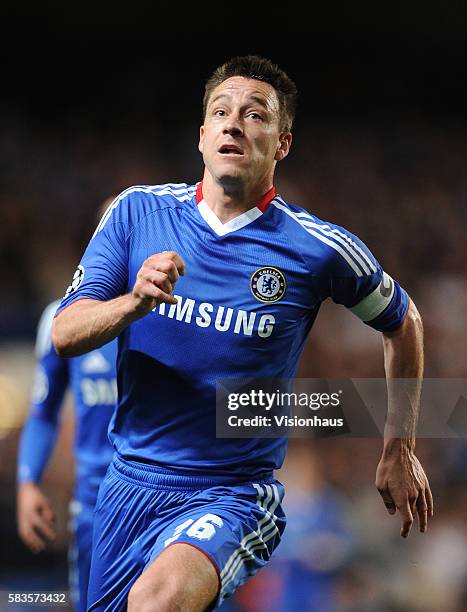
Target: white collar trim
point(233, 225)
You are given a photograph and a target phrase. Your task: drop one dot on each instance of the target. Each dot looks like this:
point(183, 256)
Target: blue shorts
point(141, 510)
point(79, 553)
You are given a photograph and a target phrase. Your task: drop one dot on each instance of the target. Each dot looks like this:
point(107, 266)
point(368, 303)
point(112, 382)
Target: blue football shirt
point(251, 293)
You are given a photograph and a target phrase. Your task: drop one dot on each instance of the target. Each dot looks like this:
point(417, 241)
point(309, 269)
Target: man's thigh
point(181, 578)
point(235, 528)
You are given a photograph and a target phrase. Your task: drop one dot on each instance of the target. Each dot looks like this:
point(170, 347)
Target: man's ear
point(283, 147)
point(201, 139)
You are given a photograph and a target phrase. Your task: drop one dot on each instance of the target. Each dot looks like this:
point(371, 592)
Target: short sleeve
point(102, 273)
point(356, 280)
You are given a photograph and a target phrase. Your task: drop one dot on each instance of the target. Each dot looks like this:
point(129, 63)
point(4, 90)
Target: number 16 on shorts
point(202, 529)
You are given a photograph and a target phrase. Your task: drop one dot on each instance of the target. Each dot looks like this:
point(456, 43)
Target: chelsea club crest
point(268, 284)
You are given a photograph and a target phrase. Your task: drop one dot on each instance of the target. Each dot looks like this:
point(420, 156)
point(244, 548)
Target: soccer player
point(215, 280)
point(92, 379)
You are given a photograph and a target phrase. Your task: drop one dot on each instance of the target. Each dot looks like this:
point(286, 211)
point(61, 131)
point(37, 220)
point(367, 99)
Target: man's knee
point(156, 595)
point(181, 578)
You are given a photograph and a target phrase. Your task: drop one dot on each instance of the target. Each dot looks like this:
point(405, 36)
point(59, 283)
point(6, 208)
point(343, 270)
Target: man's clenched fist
point(156, 280)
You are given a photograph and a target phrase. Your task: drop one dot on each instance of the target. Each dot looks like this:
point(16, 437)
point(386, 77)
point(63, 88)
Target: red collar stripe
point(199, 192)
point(267, 199)
point(263, 204)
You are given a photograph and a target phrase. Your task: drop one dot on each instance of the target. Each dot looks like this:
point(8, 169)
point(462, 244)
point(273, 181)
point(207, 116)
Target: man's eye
point(219, 113)
point(256, 116)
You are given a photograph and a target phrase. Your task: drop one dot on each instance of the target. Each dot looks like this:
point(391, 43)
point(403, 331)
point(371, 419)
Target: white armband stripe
point(373, 305)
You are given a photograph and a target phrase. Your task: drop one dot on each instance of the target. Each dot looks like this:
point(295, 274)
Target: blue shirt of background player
point(92, 380)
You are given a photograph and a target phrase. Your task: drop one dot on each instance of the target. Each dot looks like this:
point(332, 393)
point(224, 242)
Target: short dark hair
point(255, 67)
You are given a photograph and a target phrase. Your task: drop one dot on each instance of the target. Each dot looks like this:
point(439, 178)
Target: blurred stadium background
point(380, 146)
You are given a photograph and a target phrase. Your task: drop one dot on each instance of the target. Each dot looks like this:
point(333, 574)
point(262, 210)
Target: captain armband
point(377, 301)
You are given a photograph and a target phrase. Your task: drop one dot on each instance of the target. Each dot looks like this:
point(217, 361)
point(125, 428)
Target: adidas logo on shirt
point(95, 363)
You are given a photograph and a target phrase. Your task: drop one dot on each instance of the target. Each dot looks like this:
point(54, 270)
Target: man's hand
point(35, 517)
point(88, 324)
point(156, 280)
point(403, 485)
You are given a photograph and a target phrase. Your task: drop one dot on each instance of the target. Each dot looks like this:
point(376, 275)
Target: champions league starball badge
point(268, 284)
point(77, 280)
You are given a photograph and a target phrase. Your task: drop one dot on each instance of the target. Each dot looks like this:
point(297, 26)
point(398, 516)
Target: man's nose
point(233, 126)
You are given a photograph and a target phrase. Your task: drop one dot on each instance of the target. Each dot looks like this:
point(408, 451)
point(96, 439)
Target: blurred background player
point(92, 380)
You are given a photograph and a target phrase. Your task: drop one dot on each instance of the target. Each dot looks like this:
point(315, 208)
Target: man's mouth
point(230, 149)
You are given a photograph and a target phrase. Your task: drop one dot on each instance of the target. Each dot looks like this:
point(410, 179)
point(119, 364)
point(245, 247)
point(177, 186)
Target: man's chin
point(231, 180)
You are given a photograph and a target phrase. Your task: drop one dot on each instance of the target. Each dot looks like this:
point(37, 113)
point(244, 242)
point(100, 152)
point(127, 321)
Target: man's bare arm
point(400, 478)
point(88, 324)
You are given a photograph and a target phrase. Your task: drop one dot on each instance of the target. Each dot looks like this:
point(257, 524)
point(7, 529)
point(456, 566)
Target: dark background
point(94, 102)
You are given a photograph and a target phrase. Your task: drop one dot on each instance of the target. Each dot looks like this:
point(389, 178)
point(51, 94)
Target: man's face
point(240, 139)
